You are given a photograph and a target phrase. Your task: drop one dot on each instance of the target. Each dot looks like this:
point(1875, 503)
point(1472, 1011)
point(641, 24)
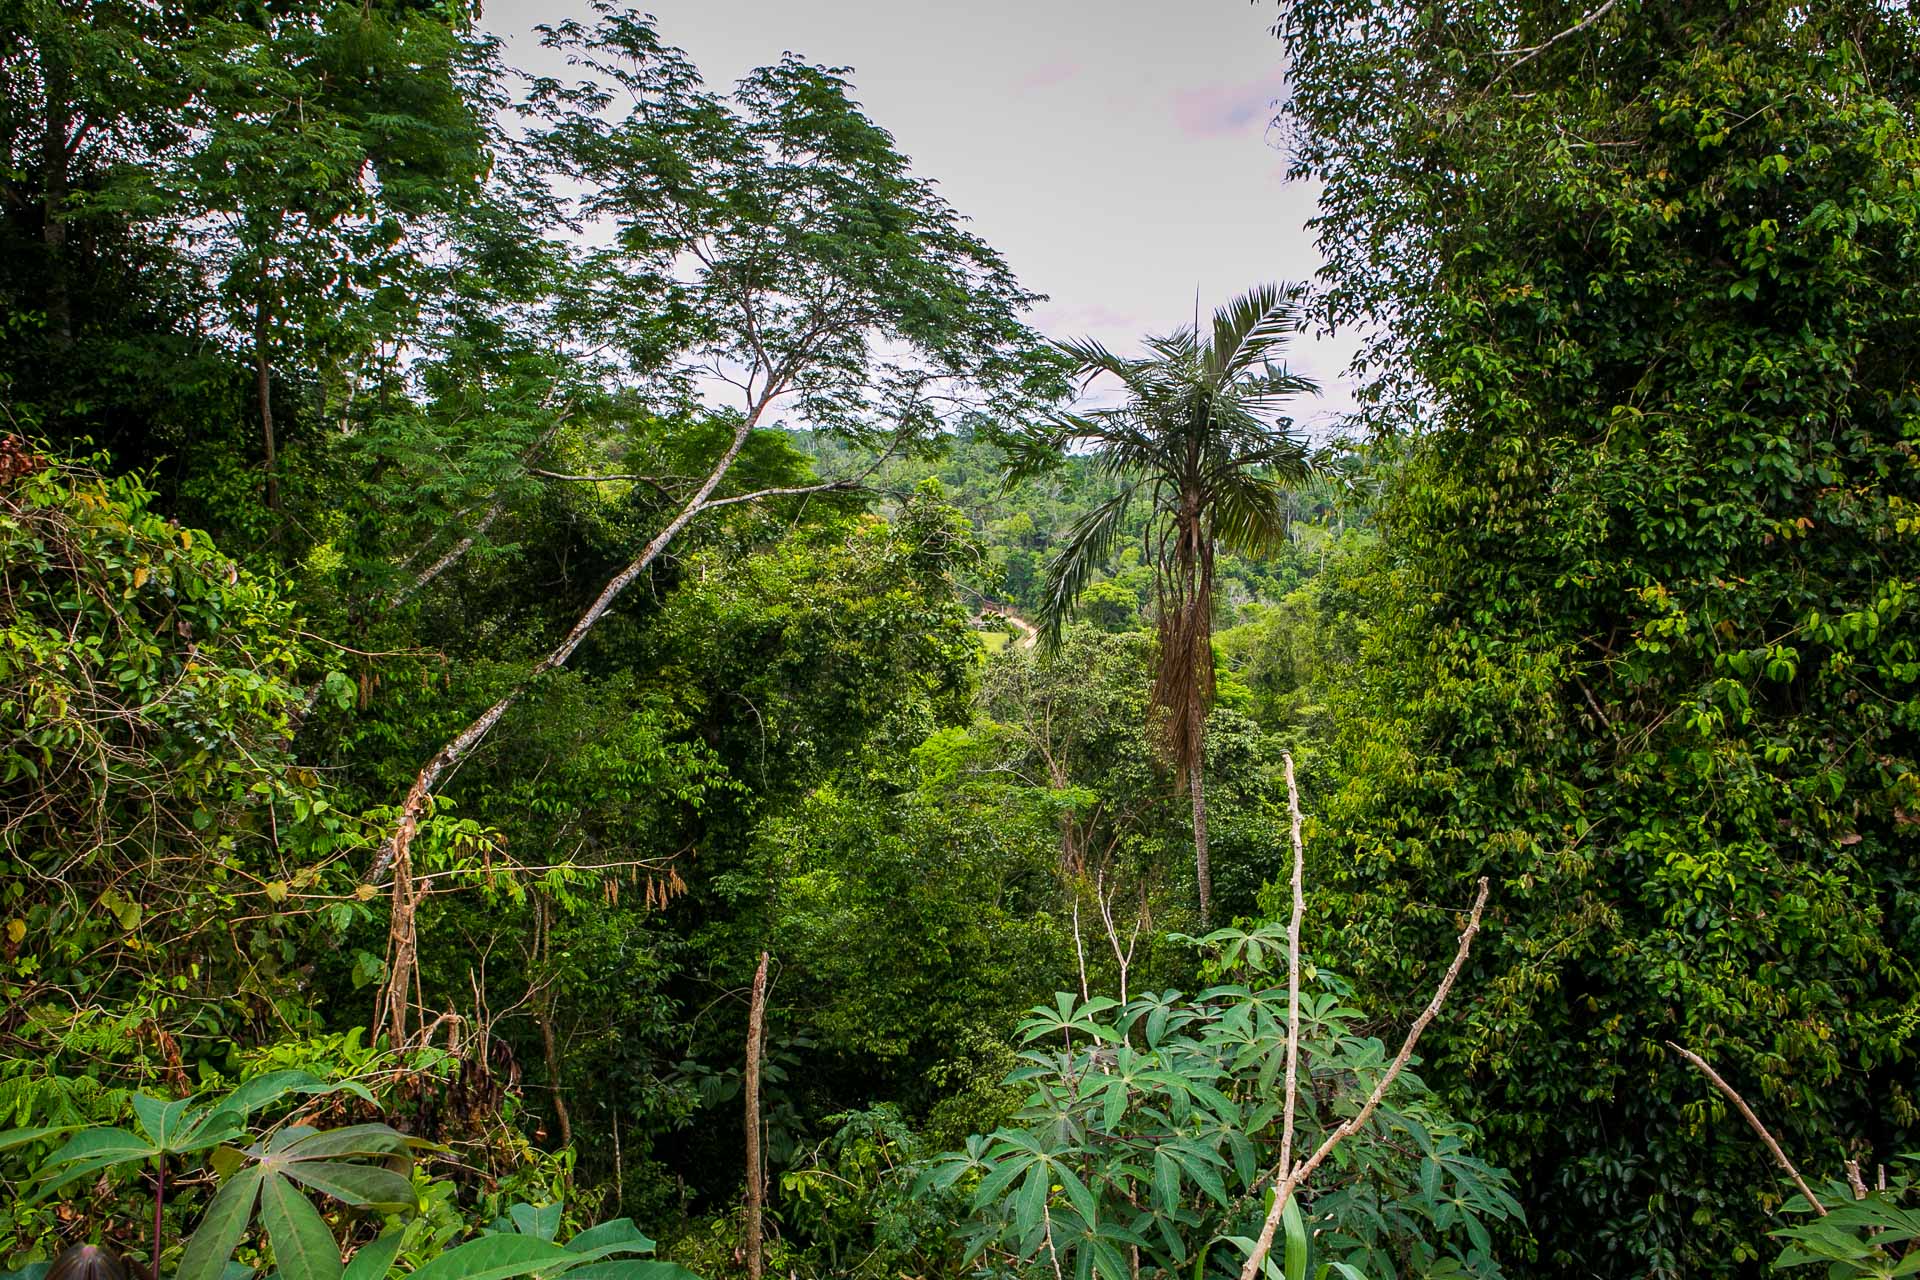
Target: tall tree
point(798, 259)
point(1201, 432)
point(1644, 643)
point(330, 133)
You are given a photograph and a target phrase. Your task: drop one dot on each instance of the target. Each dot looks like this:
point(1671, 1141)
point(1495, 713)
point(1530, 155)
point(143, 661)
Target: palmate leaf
point(303, 1248)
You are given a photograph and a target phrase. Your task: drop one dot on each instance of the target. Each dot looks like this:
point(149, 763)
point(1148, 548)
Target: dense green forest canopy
point(582, 692)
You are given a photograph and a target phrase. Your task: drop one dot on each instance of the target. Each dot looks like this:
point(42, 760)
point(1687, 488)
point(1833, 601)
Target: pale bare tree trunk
point(397, 853)
point(756, 1191)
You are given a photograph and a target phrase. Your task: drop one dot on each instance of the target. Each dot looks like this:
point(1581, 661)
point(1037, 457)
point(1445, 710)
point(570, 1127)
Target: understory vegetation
point(582, 694)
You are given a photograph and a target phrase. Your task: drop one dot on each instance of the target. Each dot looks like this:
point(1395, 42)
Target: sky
point(1118, 155)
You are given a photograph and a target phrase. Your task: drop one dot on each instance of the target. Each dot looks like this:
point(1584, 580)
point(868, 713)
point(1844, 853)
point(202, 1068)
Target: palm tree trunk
point(1202, 869)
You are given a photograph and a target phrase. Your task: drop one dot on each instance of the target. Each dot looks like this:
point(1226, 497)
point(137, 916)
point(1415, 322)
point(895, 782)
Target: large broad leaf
point(21, 1137)
point(618, 1236)
point(354, 1141)
point(630, 1269)
point(540, 1223)
point(363, 1186)
point(221, 1227)
point(90, 1151)
point(493, 1258)
point(303, 1248)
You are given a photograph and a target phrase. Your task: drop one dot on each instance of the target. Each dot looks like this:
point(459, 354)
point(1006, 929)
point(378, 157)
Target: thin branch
point(1740, 1104)
point(830, 486)
point(1538, 49)
point(1291, 1181)
point(655, 481)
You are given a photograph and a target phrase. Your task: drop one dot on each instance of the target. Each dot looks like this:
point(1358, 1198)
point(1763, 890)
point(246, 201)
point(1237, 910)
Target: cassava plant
point(1160, 1127)
point(265, 1185)
point(350, 1164)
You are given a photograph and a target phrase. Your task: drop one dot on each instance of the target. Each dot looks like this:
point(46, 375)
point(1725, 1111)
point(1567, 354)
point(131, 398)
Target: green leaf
point(21, 1137)
point(373, 1260)
point(261, 1090)
point(495, 1257)
point(1166, 1182)
point(630, 1269)
point(1296, 1258)
point(221, 1227)
point(162, 1121)
point(303, 1248)
point(619, 1235)
point(540, 1223)
point(1029, 1206)
point(364, 1186)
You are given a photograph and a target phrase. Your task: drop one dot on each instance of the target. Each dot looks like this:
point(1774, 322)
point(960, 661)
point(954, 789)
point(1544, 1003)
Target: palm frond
point(1248, 329)
point(1092, 357)
point(1031, 452)
point(1250, 513)
point(1089, 545)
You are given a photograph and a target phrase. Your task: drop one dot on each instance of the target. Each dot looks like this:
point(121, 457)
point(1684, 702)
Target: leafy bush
point(1151, 1127)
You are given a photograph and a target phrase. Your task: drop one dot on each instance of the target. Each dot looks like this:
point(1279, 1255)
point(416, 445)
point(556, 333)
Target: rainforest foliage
point(489, 563)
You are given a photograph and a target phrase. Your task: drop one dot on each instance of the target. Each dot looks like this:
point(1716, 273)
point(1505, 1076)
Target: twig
point(1740, 1105)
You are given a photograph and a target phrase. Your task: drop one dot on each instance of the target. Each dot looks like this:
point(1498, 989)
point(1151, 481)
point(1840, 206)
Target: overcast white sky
point(1116, 154)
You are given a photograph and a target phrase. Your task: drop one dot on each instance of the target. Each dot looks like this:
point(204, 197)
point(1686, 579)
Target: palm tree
point(1200, 431)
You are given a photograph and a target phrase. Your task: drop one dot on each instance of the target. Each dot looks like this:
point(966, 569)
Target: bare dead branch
point(1290, 1181)
point(1740, 1105)
point(658, 485)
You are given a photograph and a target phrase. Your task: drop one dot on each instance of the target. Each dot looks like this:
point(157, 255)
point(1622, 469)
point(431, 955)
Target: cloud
point(1072, 320)
point(1221, 110)
point(1047, 75)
